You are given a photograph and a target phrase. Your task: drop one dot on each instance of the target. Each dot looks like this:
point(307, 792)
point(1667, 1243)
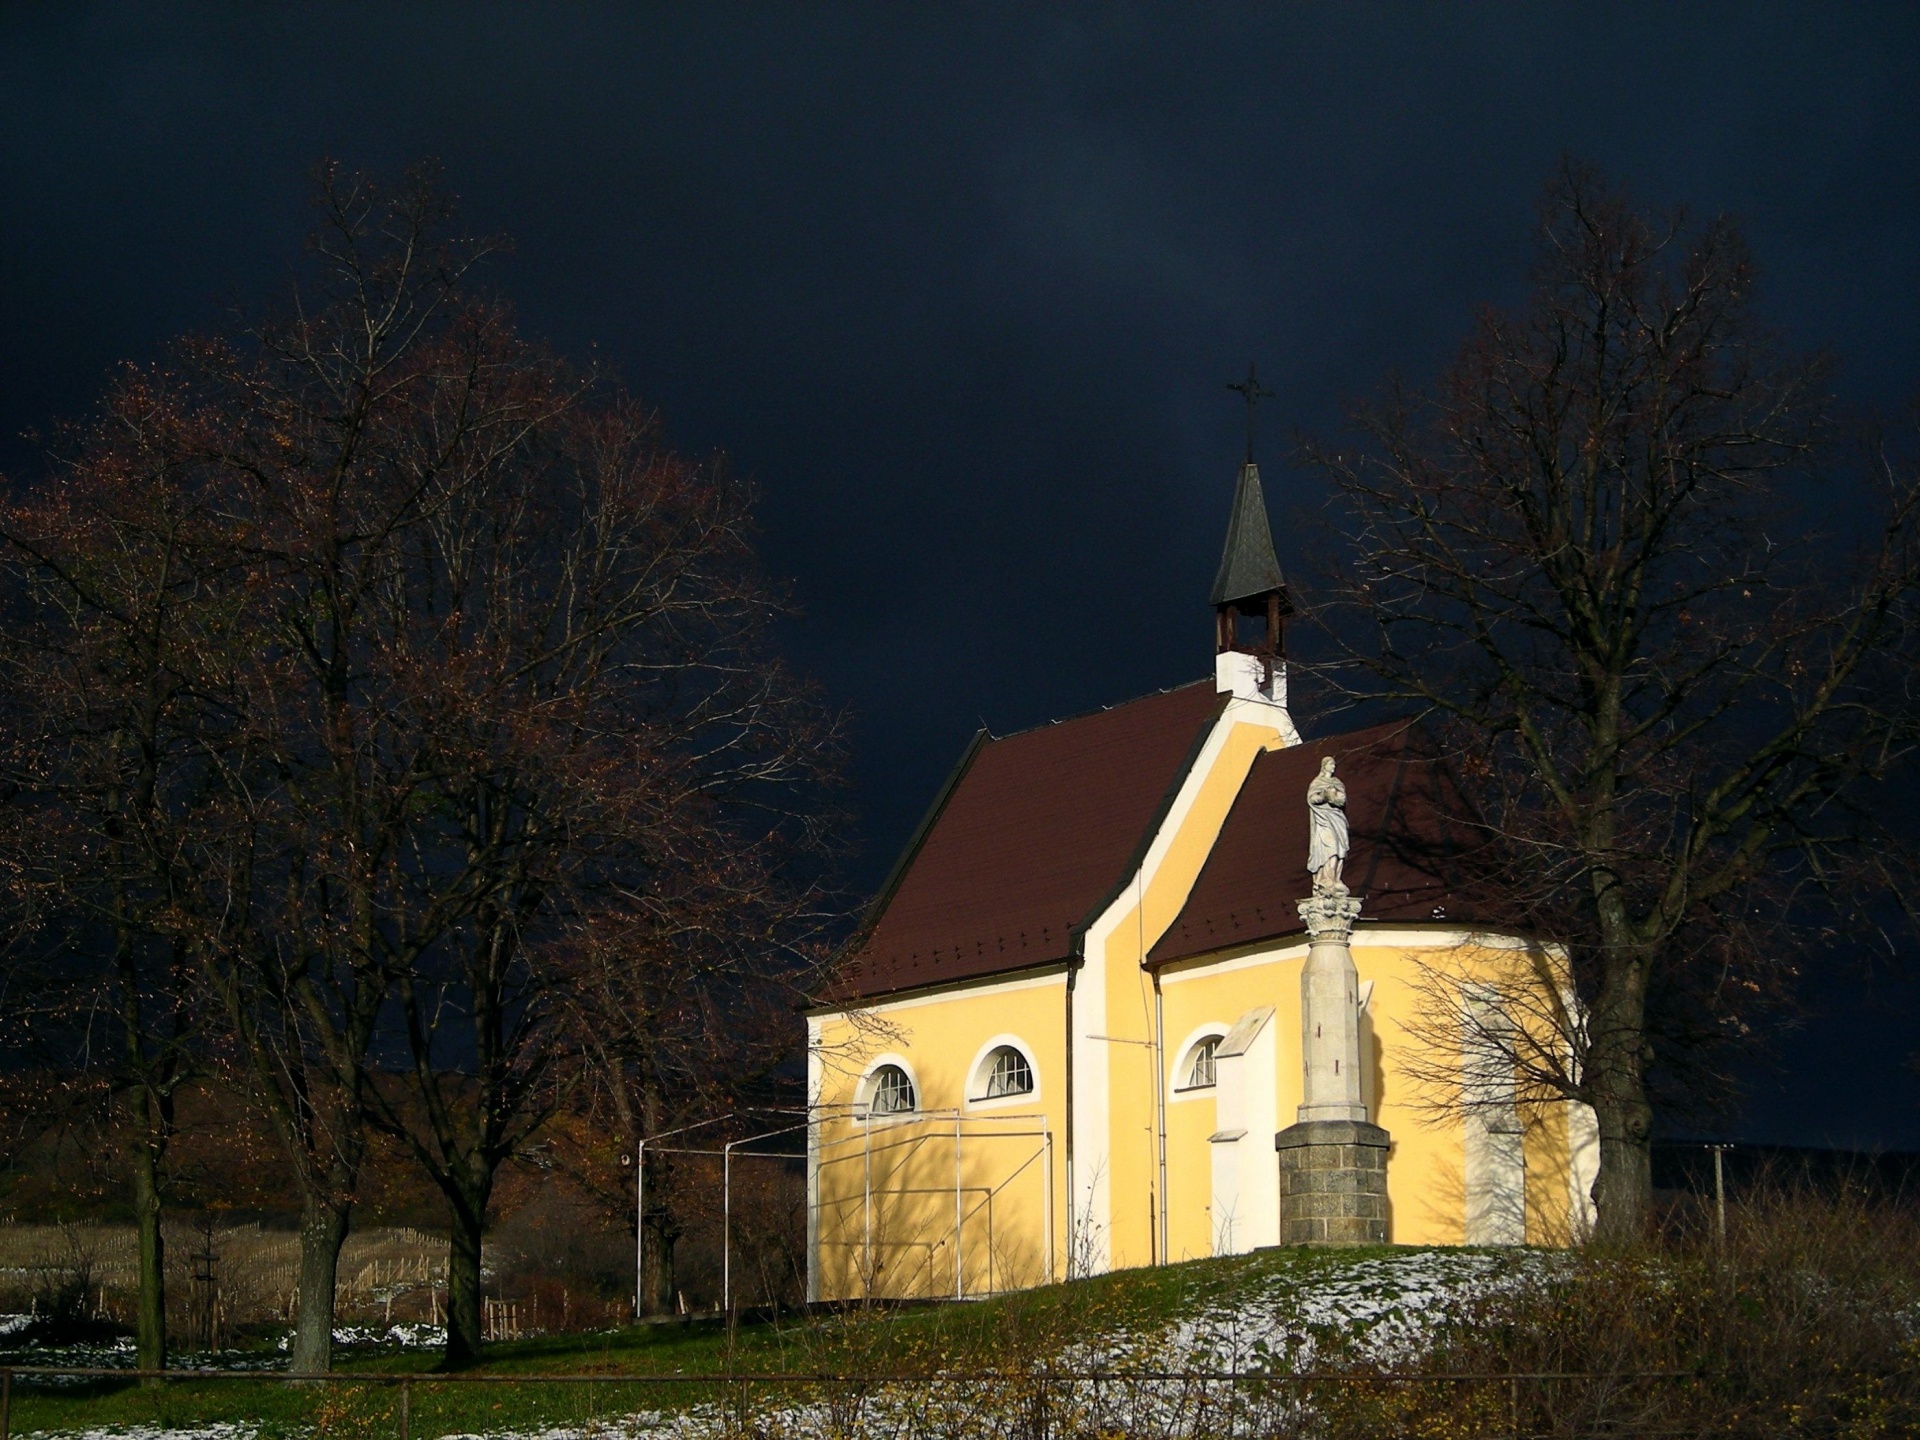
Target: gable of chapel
point(1026, 843)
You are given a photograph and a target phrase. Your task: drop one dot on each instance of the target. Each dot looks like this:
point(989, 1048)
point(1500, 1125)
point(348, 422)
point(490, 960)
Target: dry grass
point(1806, 1321)
point(384, 1273)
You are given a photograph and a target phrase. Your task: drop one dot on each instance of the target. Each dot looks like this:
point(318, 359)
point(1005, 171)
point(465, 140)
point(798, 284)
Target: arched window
point(1201, 1073)
point(1008, 1073)
point(890, 1092)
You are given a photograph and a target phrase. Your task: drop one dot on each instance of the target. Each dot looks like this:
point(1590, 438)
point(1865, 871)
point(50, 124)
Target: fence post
point(1513, 1403)
point(406, 1410)
point(6, 1402)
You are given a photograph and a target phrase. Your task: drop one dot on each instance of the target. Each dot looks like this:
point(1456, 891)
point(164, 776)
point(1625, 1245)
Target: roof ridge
point(993, 739)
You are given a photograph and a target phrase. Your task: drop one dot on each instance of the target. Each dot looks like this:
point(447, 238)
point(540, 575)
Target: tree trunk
point(464, 1322)
point(657, 1275)
point(1617, 1090)
point(150, 1308)
point(1623, 1189)
point(323, 1230)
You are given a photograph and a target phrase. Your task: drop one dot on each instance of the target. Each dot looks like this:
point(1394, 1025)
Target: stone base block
point(1333, 1183)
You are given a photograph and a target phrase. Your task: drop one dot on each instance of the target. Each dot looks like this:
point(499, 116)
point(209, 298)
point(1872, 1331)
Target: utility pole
point(1719, 1194)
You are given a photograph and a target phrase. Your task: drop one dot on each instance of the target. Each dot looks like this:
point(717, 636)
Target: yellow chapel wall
point(941, 1035)
point(1426, 1187)
point(883, 1195)
point(882, 1192)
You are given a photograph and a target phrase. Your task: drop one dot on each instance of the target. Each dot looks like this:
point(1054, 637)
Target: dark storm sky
point(961, 287)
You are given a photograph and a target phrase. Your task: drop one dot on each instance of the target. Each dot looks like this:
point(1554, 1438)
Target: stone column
point(1333, 1162)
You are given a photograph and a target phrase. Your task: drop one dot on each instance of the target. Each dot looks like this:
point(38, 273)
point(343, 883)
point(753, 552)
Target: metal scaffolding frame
point(726, 1152)
point(923, 1136)
point(818, 1114)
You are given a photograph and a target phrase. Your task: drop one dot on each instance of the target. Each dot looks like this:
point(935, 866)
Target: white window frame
point(863, 1113)
point(981, 1070)
point(1177, 1087)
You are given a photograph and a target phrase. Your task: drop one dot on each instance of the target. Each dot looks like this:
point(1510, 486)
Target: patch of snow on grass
point(703, 1423)
point(379, 1337)
point(219, 1430)
point(1387, 1308)
point(116, 1354)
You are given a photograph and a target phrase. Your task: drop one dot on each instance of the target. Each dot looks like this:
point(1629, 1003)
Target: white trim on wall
point(1052, 975)
point(1395, 937)
point(1201, 967)
point(1094, 1016)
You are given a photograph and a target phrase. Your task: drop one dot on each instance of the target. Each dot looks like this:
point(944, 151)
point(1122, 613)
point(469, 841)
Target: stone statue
point(1327, 833)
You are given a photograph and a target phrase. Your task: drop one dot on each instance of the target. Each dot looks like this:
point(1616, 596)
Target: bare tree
point(441, 657)
point(1614, 555)
point(591, 637)
point(685, 1015)
point(264, 490)
point(111, 724)
point(344, 431)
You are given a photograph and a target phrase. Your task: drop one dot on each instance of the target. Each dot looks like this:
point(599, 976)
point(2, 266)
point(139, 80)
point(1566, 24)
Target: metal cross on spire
point(1255, 392)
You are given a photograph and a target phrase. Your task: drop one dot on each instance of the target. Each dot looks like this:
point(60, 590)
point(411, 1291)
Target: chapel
point(1102, 1014)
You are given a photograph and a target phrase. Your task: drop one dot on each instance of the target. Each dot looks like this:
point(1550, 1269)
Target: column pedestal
point(1333, 1183)
point(1333, 1162)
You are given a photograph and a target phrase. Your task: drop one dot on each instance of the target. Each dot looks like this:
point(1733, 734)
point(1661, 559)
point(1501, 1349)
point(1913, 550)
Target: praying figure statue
point(1327, 833)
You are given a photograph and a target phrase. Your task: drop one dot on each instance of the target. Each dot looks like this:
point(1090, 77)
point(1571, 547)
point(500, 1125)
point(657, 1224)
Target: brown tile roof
point(1031, 836)
point(1407, 861)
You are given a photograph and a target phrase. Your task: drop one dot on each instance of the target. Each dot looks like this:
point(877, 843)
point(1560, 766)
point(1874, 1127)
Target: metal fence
point(948, 1405)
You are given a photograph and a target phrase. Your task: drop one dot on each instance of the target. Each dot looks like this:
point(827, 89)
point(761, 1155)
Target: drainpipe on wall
point(1160, 1104)
point(1071, 1229)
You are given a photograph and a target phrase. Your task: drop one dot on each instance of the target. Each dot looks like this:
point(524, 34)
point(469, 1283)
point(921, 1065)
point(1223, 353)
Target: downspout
point(1160, 1104)
point(1071, 1229)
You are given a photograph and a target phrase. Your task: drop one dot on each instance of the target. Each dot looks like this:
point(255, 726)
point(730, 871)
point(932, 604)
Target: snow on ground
point(114, 1354)
point(1277, 1320)
point(382, 1337)
point(218, 1431)
point(1387, 1307)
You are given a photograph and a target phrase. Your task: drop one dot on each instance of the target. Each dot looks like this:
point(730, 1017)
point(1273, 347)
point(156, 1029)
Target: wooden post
point(726, 1234)
point(640, 1229)
point(1719, 1197)
point(959, 1215)
point(406, 1410)
point(6, 1403)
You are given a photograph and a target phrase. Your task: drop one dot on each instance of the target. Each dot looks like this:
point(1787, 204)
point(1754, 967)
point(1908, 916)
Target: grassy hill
point(1805, 1321)
point(1211, 1314)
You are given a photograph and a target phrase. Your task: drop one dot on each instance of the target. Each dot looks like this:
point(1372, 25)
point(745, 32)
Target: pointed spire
point(1249, 570)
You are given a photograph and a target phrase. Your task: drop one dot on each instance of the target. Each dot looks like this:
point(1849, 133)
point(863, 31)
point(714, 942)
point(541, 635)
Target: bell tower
point(1249, 585)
